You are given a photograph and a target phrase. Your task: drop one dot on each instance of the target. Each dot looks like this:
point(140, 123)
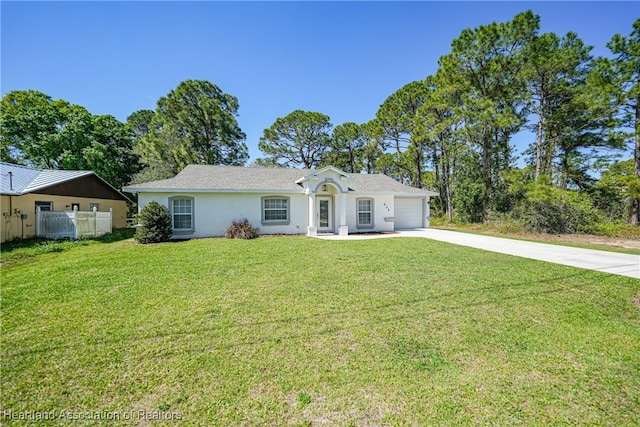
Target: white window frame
point(370, 211)
point(278, 221)
point(192, 214)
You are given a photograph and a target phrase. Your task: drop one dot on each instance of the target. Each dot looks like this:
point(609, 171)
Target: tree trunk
point(352, 161)
point(439, 177)
point(564, 173)
point(369, 165)
point(400, 176)
point(447, 189)
point(635, 210)
point(486, 173)
point(539, 144)
point(418, 166)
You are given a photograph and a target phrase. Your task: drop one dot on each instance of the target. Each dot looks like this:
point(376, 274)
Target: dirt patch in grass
point(319, 410)
point(589, 239)
point(578, 239)
point(156, 406)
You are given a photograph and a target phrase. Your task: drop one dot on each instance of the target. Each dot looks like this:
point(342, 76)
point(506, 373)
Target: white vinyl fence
point(72, 224)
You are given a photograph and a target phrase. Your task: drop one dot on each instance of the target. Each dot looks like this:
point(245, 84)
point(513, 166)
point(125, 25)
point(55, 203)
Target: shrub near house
point(242, 229)
point(155, 224)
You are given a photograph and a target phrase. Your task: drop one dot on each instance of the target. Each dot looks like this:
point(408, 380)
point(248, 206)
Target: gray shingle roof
point(240, 178)
point(381, 183)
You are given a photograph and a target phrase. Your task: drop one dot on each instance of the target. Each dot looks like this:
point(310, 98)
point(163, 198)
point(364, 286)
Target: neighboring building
point(204, 200)
point(24, 189)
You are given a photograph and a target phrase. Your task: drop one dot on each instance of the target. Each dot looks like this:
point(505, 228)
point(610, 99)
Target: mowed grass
point(299, 331)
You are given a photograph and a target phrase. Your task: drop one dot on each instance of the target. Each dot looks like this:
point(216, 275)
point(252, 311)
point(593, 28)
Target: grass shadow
point(17, 250)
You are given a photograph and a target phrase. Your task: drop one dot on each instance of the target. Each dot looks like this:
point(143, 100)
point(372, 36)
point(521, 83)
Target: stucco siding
point(213, 212)
point(12, 225)
point(382, 208)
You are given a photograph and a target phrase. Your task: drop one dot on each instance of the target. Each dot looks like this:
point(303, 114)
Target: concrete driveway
point(607, 262)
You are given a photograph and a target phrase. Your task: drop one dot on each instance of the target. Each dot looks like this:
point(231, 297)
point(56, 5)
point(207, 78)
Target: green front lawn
point(299, 331)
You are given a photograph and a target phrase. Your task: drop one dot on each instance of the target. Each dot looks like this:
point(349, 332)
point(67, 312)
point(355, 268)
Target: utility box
point(24, 216)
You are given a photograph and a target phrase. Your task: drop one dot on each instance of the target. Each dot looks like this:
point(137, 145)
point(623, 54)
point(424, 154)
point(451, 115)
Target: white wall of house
point(213, 212)
point(382, 208)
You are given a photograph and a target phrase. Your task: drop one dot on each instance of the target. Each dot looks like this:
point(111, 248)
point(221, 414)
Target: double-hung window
point(182, 213)
point(275, 210)
point(364, 213)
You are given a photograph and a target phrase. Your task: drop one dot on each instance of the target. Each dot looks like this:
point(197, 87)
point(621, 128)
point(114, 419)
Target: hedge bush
point(155, 224)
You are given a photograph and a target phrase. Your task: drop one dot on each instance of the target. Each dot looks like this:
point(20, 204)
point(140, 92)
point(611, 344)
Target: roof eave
point(208, 190)
point(265, 191)
point(411, 195)
point(27, 190)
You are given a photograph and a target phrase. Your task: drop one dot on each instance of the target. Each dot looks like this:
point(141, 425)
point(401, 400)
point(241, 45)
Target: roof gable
point(327, 170)
point(327, 174)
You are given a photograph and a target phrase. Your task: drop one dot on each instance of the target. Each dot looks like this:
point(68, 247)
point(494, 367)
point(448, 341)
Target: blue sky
point(339, 58)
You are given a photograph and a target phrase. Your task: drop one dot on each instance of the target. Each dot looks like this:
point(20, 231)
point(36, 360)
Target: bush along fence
point(73, 224)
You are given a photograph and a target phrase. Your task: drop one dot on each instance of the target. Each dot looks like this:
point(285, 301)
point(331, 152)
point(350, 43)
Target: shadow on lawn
point(20, 250)
point(36, 242)
point(441, 305)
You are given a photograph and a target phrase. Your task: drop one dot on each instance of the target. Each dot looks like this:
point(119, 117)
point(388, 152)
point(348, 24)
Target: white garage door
point(408, 213)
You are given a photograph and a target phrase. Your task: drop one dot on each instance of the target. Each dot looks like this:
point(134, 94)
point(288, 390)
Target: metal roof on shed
point(47, 178)
point(17, 180)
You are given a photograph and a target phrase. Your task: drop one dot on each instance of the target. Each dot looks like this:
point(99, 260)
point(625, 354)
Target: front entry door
point(324, 214)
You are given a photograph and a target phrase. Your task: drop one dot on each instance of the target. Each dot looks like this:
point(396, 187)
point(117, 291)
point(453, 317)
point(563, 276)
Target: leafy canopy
point(54, 134)
point(193, 124)
point(302, 138)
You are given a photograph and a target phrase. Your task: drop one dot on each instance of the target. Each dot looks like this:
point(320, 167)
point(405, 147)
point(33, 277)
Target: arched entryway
point(327, 190)
point(325, 207)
